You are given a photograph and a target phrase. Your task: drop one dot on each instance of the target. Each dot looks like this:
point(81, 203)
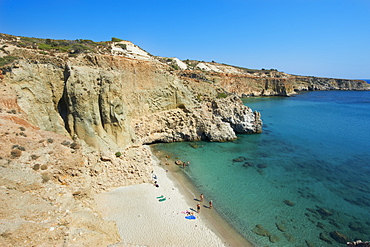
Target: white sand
point(144, 221)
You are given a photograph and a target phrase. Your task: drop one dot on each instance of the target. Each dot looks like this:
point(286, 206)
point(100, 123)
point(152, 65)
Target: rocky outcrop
point(99, 99)
point(272, 83)
point(48, 182)
point(218, 120)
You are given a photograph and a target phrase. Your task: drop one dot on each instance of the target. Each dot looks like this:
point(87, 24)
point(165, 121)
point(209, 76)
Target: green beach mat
point(163, 199)
point(160, 197)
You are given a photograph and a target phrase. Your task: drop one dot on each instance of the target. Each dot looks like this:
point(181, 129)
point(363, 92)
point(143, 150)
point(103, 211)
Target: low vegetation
point(72, 47)
point(6, 60)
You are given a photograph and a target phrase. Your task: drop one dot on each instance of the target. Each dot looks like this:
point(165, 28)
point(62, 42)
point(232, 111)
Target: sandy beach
point(143, 219)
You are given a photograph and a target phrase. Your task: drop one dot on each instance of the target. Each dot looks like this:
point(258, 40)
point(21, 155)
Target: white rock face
point(180, 63)
point(218, 120)
point(130, 50)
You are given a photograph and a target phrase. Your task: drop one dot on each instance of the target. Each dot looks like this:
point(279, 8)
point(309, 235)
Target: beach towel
point(190, 217)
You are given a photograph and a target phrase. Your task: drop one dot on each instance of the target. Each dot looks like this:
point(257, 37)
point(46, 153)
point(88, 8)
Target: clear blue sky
point(329, 38)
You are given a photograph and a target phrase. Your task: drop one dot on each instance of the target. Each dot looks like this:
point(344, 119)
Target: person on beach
point(210, 204)
point(198, 208)
point(201, 197)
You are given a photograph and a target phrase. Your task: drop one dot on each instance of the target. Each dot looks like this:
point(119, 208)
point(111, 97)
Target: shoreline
point(214, 221)
point(143, 219)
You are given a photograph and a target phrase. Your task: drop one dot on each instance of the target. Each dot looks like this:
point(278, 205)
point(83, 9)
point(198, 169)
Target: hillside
point(76, 118)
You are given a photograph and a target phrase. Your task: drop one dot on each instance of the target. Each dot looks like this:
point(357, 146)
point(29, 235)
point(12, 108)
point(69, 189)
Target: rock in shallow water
point(259, 230)
point(324, 212)
point(289, 203)
point(273, 239)
point(339, 237)
point(324, 237)
point(240, 159)
point(280, 226)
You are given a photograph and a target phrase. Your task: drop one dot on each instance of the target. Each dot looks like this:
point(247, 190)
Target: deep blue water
point(313, 153)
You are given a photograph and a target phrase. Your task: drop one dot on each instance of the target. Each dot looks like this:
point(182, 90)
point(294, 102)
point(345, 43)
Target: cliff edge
point(75, 118)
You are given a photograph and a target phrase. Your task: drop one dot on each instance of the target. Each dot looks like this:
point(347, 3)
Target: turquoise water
point(313, 154)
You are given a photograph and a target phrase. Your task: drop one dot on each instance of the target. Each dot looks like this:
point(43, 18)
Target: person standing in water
point(198, 208)
point(210, 204)
point(201, 197)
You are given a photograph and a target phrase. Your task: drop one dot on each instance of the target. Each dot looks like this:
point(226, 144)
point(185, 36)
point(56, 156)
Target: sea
point(303, 181)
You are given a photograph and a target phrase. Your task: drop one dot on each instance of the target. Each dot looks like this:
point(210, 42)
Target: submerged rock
point(357, 227)
point(289, 203)
point(339, 237)
point(320, 225)
point(280, 226)
point(262, 166)
point(324, 212)
point(309, 244)
point(248, 164)
point(273, 239)
point(195, 146)
point(240, 159)
point(332, 222)
point(259, 230)
point(289, 237)
point(324, 237)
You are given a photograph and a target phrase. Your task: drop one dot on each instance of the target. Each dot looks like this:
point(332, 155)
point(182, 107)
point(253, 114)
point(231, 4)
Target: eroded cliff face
point(75, 124)
point(120, 95)
point(100, 99)
point(271, 83)
point(71, 127)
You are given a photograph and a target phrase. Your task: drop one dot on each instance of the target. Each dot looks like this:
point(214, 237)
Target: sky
point(326, 38)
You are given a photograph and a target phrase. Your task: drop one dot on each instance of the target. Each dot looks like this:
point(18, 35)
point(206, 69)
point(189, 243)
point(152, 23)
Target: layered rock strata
point(218, 120)
point(73, 124)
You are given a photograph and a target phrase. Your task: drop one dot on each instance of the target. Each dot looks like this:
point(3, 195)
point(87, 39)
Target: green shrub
point(44, 46)
point(6, 60)
point(118, 154)
point(116, 39)
point(221, 95)
point(123, 46)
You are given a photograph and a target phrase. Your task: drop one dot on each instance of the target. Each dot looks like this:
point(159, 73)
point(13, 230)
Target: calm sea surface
point(305, 176)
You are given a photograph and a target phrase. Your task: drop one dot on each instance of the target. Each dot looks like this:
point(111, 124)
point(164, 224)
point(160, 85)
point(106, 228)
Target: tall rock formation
point(103, 99)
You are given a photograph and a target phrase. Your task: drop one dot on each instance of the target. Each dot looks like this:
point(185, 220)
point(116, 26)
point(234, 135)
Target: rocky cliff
point(75, 117)
point(103, 99)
